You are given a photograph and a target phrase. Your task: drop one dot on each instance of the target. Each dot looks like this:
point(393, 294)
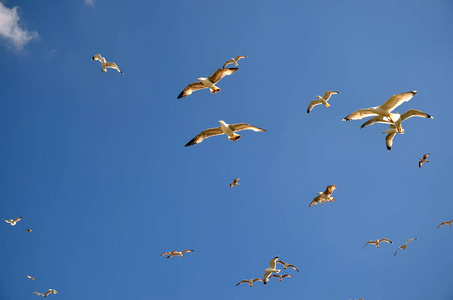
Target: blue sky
point(96, 164)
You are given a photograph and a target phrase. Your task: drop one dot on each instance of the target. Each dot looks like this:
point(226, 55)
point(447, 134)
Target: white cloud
point(90, 2)
point(10, 29)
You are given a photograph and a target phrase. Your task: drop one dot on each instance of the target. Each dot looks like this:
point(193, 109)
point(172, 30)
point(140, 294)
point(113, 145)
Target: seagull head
point(223, 122)
point(319, 97)
point(201, 78)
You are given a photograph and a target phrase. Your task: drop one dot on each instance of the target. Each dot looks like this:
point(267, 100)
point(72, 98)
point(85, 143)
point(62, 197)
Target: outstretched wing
point(327, 94)
point(194, 86)
point(242, 282)
point(113, 66)
point(389, 140)
point(315, 201)
point(415, 113)
point(257, 279)
point(287, 275)
point(97, 57)
point(239, 57)
point(294, 267)
point(385, 240)
point(220, 73)
point(424, 157)
point(396, 100)
point(281, 262)
point(244, 126)
point(443, 223)
point(370, 242)
point(329, 190)
point(377, 119)
point(204, 135)
point(313, 104)
point(273, 262)
point(185, 251)
point(359, 114)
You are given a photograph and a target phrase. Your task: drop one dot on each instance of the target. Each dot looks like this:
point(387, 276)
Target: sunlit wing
point(327, 94)
point(204, 135)
point(194, 86)
point(220, 73)
point(359, 114)
point(313, 104)
point(244, 126)
point(396, 100)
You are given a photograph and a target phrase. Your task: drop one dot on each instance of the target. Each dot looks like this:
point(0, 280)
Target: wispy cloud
point(10, 29)
point(90, 2)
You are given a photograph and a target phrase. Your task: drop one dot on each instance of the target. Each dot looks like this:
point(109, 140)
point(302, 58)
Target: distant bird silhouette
point(281, 276)
point(13, 222)
point(324, 196)
point(321, 100)
point(403, 247)
point(376, 242)
point(50, 291)
point(250, 282)
point(234, 60)
point(235, 182)
point(106, 64)
point(28, 230)
point(286, 265)
point(38, 294)
point(422, 160)
point(445, 223)
point(30, 277)
point(175, 253)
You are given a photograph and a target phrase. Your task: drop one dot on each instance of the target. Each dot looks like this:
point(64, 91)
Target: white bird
point(234, 60)
point(50, 291)
point(385, 110)
point(321, 100)
point(376, 242)
point(420, 163)
point(106, 64)
point(396, 127)
point(404, 246)
point(281, 276)
point(250, 282)
point(235, 182)
point(228, 129)
point(324, 196)
point(207, 83)
point(286, 265)
point(271, 269)
point(30, 277)
point(175, 253)
point(13, 222)
point(445, 223)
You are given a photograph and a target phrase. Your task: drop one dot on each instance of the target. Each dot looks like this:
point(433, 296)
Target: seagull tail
point(215, 90)
point(235, 137)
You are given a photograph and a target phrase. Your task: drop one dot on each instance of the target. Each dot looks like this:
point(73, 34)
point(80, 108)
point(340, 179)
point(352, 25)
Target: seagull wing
point(410, 240)
point(185, 251)
point(287, 275)
point(273, 262)
point(294, 267)
point(204, 135)
point(97, 57)
point(414, 113)
point(236, 180)
point(17, 219)
point(377, 119)
point(359, 114)
point(424, 157)
point(275, 275)
point(220, 73)
point(396, 100)
point(165, 253)
point(389, 140)
point(266, 277)
point(327, 94)
point(329, 190)
point(242, 282)
point(194, 86)
point(370, 242)
point(385, 240)
point(113, 66)
point(257, 279)
point(244, 126)
point(313, 104)
point(239, 57)
point(281, 262)
point(443, 223)
point(315, 201)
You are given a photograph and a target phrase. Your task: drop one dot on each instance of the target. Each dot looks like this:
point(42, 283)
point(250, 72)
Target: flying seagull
point(376, 242)
point(28, 230)
point(445, 223)
point(30, 277)
point(175, 253)
point(50, 291)
point(38, 294)
point(235, 182)
point(250, 282)
point(420, 163)
point(322, 197)
point(321, 100)
point(385, 110)
point(13, 222)
point(271, 269)
point(395, 128)
point(207, 83)
point(286, 265)
point(404, 246)
point(281, 276)
point(106, 64)
point(228, 129)
point(234, 60)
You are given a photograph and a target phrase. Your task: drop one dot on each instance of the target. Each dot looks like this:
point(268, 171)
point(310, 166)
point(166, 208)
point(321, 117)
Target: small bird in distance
point(235, 182)
point(403, 247)
point(376, 242)
point(281, 276)
point(423, 159)
point(234, 60)
point(30, 277)
point(175, 253)
point(445, 223)
point(106, 64)
point(14, 221)
point(321, 100)
point(250, 282)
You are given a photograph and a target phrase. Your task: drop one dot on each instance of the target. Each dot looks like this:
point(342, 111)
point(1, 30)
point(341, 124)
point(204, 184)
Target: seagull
point(404, 246)
point(420, 163)
point(175, 253)
point(235, 182)
point(13, 222)
point(396, 127)
point(385, 110)
point(228, 129)
point(39, 294)
point(207, 83)
point(322, 197)
point(30, 277)
point(445, 223)
point(106, 64)
point(250, 282)
point(321, 100)
point(281, 276)
point(50, 291)
point(271, 269)
point(376, 242)
point(234, 60)
point(287, 265)
point(28, 230)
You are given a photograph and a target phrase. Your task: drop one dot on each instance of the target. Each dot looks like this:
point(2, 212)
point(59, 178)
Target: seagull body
point(281, 276)
point(228, 129)
point(250, 282)
point(385, 110)
point(271, 269)
point(404, 246)
point(207, 83)
point(106, 64)
point(376, 242)
point(50, 291)
point(286, 265)
point(13, 222)
point(234, 60)
point(175, 253)
point(445, 223)
point(30, 277)
point(420, 163)
point(38, 294)
point(324, 196)
point(321, 100)
point(235, 182)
